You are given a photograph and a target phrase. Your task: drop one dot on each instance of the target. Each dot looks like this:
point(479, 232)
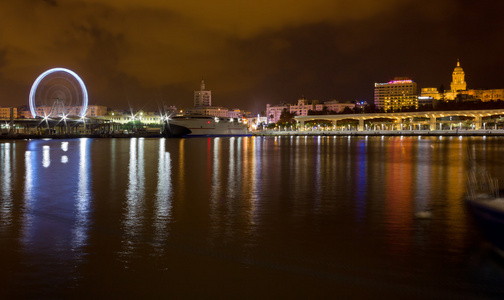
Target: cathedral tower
point(458, 79)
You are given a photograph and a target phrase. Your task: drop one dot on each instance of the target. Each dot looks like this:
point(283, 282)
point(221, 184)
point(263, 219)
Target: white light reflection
point(215, 197)
point(216, 182)
point(28, 191)
point(83, 197)
point(6, 184)
point(64, 159)
point(163, 197)
point(64, 146)
point(134, 195)
point(46, 156)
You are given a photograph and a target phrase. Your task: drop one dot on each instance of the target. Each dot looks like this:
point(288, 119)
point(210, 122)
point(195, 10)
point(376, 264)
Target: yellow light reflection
point(455, 187)
point(231, 172)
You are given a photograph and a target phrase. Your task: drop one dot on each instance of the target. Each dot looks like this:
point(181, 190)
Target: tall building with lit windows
point(202, 98)
point(396, 94)
point(5, 112)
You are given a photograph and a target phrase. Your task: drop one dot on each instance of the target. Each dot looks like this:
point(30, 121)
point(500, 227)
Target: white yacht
point(200, 125)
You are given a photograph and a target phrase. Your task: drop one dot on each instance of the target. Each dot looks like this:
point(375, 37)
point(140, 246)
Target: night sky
point(142, 53)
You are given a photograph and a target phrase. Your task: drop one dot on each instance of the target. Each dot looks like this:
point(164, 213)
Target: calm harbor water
point(248, 217)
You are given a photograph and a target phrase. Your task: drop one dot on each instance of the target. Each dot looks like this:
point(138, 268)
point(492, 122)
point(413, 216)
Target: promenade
point(422, 120)
point(499, 132)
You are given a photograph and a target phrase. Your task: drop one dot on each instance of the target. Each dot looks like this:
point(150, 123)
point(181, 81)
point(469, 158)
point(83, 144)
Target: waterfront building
point(431, 92)
point(236, 113)
point(127, 117)
point(203, 106)
point(337, 106)
point(485, 95)
point(72, 111)
point(422, 100)
point(203, 97)
point(213, 111)
point(273, 112)
point(396, 94)
point(169, 109)
point(44, 110)
point(148, 117)
point(458, 89)
point(25, 114)
point(5, 113)
point(96, 111)
point(303, 106)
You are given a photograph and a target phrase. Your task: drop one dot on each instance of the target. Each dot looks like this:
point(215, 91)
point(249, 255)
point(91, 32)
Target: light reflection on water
point(163, 207)
point(276, 212)
point(82, 196)
point(133, 220)
point(6, 182)
point(56, 195)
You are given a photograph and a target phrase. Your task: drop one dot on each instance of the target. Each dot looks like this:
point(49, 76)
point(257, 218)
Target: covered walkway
point(428, 120)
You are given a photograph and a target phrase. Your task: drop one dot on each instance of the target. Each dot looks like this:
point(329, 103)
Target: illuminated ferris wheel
point(58, 93)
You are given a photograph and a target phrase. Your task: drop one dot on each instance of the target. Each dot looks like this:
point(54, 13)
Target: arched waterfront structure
point(432, 116)
point(35, 85)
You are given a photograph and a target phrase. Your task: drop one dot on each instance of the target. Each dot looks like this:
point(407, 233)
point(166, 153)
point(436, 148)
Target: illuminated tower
point(458, 79)
point(202, 97)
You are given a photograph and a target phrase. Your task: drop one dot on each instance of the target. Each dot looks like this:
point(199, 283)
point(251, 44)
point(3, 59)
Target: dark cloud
point(141, 53)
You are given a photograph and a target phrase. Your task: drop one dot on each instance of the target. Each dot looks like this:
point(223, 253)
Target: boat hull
point(204, 126)
point(490, 220)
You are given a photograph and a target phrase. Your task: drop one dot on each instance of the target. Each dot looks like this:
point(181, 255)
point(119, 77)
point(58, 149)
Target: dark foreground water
point(251, 217)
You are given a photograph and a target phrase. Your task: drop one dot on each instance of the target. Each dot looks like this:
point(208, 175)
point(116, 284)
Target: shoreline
point(74, 136)
point(496, 133)
point(499, 132)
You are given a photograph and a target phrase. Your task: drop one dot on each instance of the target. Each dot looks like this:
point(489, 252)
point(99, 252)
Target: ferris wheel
point(58, 93)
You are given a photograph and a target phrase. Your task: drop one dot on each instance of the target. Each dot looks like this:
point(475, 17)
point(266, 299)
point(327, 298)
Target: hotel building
point(396, 94)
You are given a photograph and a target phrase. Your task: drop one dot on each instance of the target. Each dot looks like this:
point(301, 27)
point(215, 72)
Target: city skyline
point(145, 54)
